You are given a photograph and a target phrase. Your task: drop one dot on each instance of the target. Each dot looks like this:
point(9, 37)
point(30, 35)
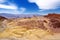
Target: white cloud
point(9, 11)
point(11, 8)
point(13, 11)
point(2, 1)
point(4, 6)
point(47, 4)
point(22, 10)
point(8, 6)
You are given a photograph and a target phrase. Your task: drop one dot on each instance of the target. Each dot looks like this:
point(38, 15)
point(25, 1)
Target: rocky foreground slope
point(32, 28)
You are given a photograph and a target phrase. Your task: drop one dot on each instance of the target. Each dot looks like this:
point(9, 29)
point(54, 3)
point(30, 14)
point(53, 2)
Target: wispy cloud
point(22, 9)
point(11, 8)
point(8, 11)
point(2, 1)
point(47, 4)
point(13, 11)
point(4, 6)
point(7, 6)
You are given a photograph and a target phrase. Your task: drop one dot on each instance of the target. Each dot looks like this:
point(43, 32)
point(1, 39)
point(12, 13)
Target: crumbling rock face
point(2, 23)
point(31, 24)
point(50, 21)
point(52, 16)
point(30, 28)
point(2, 18)
point(54, 22)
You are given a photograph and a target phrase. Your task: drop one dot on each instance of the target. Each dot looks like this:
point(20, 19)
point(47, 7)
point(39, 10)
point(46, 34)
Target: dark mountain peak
point(2, 18)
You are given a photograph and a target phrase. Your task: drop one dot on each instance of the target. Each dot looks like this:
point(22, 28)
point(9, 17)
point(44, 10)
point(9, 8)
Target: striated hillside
point(31, 28)
point(54, 22)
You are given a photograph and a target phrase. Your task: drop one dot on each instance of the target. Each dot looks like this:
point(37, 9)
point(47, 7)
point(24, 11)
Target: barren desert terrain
point(45, 27)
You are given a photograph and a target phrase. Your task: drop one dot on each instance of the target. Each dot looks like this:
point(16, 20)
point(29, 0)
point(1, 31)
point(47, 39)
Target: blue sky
point(29, 6)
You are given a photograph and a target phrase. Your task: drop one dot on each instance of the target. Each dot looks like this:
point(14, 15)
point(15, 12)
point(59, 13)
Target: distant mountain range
point(17, 15)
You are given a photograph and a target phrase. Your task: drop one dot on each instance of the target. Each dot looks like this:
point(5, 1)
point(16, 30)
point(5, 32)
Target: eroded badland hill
point(45, 27)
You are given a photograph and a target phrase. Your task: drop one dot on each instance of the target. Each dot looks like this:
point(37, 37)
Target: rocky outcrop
point(50, 22)
point(2, 23)
point(54, 22)
point(34, 28)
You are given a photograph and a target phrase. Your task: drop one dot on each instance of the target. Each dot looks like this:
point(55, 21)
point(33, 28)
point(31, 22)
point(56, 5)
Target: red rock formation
point(54, 24)
point(53, 16)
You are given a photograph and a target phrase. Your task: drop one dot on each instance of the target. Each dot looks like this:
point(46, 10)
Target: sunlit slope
point(28, 34)
point(18, 32)
point(35, 28)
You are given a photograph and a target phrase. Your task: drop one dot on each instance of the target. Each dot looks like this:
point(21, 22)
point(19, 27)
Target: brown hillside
point(53, 16)
point(54, 21)
point(2, 18)
point(32, 28)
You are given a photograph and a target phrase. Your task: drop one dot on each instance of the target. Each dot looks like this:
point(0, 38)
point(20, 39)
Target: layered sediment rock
point(34, 28)
point(54, 22)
